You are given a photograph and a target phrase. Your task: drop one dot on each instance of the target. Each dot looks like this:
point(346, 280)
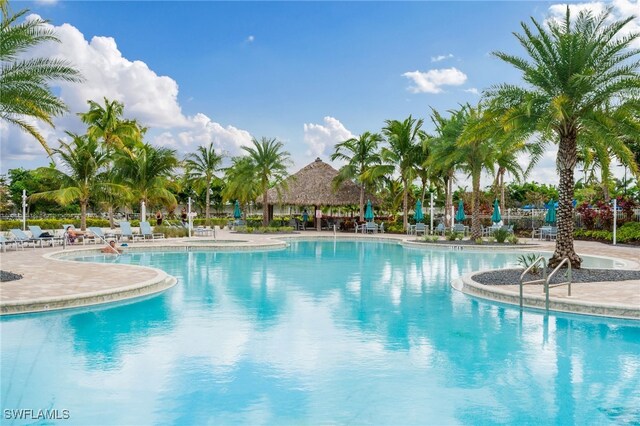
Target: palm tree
point(597, 147)
point(241, 183)
point(84, 163)
point(443, 160)
point(475, 150)
point(507, 148)
point(360, 154)
point(147, 174)
point(25, 82)
point(106, 123)
point(403, 153)
point(269, 165)
point(575, 69)
point(201, 168)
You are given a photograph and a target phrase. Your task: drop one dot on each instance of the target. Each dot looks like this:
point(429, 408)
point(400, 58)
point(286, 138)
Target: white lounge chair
point(127, 232)
point(19, 235)
point(4, 242)
point(145, 230)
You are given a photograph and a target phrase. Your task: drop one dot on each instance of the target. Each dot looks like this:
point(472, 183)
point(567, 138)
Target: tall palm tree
point(443, 160)
point(360, 154)
point(403, 152)
point(147, 174)
point(241, 183)
point(107, 123)
point(83, 164)
point(574, 69)
point(509, 145)
point(269, 165)
point(25, 82)
point(475, 150)
point(200, 168)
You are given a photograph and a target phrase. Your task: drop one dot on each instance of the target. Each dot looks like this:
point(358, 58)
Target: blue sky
point(309, 73)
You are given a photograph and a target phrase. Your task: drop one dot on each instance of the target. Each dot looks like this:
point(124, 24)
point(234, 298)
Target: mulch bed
point(9, 276)
point(512, 276)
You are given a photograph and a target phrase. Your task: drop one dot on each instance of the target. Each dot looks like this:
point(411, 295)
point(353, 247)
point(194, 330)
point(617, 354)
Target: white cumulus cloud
point(473, 91)
point(432, 81)
point(150, 98)
point(202, 131)
point(321, 138)
point(441, 57)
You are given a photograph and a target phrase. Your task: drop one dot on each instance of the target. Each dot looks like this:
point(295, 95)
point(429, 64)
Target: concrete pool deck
point(50, 282)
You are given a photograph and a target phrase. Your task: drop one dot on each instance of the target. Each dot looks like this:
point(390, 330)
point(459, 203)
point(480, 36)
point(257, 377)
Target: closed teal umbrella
point(460, 213)
point(550, 217)
point(496, 217)
point(368, 214)
point(236, 211)
point(418, 216)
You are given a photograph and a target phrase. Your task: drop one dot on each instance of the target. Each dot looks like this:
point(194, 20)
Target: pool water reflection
point(321, 332)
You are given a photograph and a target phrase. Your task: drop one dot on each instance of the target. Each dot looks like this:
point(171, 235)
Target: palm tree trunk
point(111, 223)
point(208, 201)
point(566, 162)
point(83, 215)
point(405, 204)
point(265, 207)
point(502, 202)
point(476, 231)
point(362, 203)
point(448, 200)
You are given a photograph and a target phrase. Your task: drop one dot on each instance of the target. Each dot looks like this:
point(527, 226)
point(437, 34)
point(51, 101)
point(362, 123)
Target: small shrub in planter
point(526, 260)
point(501, 235)
point(512, 239)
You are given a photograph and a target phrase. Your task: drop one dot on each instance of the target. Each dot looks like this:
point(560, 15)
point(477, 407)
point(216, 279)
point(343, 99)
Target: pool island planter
point(497, 293)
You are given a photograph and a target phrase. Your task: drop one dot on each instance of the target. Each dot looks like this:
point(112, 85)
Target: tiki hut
point(313, 186)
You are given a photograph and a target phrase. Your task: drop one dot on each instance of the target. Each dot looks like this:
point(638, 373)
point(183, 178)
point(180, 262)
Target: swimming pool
point(321, 332)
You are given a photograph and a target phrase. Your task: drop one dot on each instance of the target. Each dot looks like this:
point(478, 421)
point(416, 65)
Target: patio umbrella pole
point(24, 209)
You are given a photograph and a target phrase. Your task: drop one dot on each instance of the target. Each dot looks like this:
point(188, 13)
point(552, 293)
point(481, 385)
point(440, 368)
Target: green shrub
point(263, 230)
point(629, 232)
point(219, 221)
point(501, 235)
point(394, 228)
point(452, 236)
point(54, 224)
point(172, 232)
point(512, 239)
point(526, 260)
point(479, 241)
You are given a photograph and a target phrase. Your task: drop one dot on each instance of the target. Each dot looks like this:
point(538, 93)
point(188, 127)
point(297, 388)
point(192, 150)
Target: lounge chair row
point(39, 238)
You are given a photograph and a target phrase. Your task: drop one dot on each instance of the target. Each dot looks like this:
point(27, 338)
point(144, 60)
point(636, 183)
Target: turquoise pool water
point(320, 333)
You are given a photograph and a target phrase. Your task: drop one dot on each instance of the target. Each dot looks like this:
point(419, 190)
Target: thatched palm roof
point(313, 186)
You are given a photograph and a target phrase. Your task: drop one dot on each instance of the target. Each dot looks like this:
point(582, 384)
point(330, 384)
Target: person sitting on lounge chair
point(73, 234)
point(111, 248)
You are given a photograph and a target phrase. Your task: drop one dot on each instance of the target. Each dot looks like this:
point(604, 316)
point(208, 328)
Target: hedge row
point(627, 233)
point(54, 224)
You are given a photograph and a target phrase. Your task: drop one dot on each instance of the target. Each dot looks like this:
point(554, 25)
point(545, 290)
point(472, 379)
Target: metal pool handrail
point(547, 286)
point(543, 280)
